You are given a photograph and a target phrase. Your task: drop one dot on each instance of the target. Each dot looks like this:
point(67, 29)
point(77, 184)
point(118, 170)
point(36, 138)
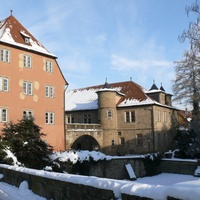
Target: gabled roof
point(86, 98)
point(12, 32)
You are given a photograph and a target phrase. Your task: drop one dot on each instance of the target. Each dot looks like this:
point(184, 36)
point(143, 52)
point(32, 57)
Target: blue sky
point(113, 39)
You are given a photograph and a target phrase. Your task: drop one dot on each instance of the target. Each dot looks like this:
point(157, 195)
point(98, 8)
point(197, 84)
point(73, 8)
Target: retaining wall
point(62, 190)
point(53, 189)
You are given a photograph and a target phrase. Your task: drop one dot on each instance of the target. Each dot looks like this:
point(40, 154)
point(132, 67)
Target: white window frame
point(27, 40)
point(49, 91)
point(164, 116)
point(49, 118)
point(122, 141)
point(5, 55)
point(27, 113)
point(3, 115)
point(49, 66)
point(4, 84)
point(129, 116)
point(109, 114)
point(27, 88)
point(158, 115)
point(70, 119)
point(27, 61)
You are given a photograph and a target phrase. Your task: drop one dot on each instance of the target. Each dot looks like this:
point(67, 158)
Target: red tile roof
point(131, 90)
point(14, 33)
point(86, 98)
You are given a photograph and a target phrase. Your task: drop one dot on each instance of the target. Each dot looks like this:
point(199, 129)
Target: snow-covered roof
point(14, 33)
point(131, 93)
point(81, 99)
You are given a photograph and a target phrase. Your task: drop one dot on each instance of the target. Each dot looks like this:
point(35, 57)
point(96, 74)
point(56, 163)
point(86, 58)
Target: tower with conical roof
point(107, 113)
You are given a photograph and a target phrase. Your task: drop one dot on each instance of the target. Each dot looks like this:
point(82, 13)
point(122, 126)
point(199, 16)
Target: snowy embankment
point(157, 187)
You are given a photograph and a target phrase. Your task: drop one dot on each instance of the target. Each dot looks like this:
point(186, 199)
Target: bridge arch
point(85, 142)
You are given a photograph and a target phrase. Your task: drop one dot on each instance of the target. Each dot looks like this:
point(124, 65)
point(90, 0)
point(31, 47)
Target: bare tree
point(187, 82)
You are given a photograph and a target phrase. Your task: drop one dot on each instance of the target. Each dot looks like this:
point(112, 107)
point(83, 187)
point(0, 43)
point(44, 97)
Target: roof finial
point(161, 87)
point(106, 84)
point(11, 12)
point(130, 78)
point(154, 87)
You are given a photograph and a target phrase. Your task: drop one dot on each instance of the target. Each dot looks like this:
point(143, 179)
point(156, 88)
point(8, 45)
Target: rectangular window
point(5, 55)
point(49, 90)
point(27, 61)
point(27, 114)
point(27, 88)
point(49, 118)
point(164, 117)
point(87, 119)
point(130, 116)
point(4, 84)
point(70, 119)
point(158, 117)
point(121, 141)
point(49, 66)
point(113, 143)
point(3, 115)
point(109, 114)
point(139, 140)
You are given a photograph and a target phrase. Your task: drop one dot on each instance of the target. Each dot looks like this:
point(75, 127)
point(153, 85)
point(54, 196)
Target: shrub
point(24, 139)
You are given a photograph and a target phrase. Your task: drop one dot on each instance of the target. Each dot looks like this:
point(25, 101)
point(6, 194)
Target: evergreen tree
point(185, 141)
point(25, 140)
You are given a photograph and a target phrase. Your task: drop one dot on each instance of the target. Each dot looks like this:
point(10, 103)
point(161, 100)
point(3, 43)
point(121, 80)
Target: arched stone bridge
point(84, 136)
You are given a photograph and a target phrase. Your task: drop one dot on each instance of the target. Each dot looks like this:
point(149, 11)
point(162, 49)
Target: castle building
point(31, 82)
point(119, 118)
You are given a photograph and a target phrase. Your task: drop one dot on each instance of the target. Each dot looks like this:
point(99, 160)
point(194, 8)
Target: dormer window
point(26, 37)
point(27, 40)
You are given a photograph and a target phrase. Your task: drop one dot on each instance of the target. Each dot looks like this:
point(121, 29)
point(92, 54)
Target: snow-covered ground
point(156, 187)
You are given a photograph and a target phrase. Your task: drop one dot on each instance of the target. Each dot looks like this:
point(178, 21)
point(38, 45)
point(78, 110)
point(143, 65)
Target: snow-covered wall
point(56, 185)
point(68, 186)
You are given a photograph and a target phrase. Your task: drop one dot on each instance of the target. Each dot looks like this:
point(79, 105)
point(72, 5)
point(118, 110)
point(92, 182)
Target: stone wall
point(55, 189)
point(178, 166)
point(113, 169)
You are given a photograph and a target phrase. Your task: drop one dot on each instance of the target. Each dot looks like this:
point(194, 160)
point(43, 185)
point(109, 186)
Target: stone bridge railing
point(78, 126)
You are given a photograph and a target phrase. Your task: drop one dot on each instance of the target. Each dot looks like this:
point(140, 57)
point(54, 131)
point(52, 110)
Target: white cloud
point(121, 63)
point(76, 64)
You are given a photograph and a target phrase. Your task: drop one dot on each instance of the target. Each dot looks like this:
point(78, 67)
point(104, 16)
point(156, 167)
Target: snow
point(81, 99)
point(130, 171)
point(5, 36)
point(74, 156)
point(135, 102)
point(8, 192)
point(155, 187)
point(87, 99)
point(197, 171)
